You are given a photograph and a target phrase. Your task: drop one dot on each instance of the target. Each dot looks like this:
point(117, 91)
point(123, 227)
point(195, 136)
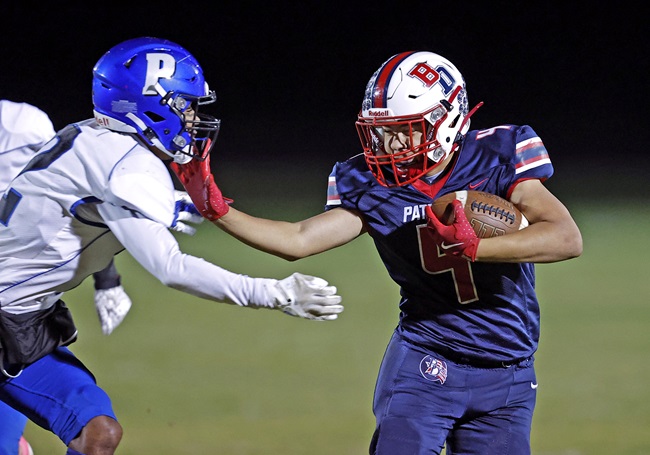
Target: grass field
point(194, 377)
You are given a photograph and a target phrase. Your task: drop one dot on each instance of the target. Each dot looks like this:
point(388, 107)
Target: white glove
point(112, 306)
point(185, 211)
point(307, 297)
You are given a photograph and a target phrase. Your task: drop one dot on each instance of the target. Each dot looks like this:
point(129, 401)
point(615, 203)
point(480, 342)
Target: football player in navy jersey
point(458, 370)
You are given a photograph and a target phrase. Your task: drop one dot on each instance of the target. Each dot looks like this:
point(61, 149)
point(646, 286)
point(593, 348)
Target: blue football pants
point(12, 426)
point(57, 393)
point(424, 401)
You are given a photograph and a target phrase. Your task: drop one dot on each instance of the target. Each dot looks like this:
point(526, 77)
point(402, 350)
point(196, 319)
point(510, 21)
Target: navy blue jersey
point(477, 311)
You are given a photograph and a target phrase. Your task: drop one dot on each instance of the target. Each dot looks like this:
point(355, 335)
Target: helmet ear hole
point(154, 117)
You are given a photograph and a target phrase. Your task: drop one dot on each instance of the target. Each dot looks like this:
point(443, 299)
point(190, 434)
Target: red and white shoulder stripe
point(530, 153)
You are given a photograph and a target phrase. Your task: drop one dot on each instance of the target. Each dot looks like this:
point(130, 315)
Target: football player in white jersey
point(97, 188)
point(24, 128)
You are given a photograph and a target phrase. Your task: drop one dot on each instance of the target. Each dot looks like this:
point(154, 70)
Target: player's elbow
point(291, 256)
point(575, 245)
point(571, 242)
point(293, 250)
point(175, 272)
point(171, 281)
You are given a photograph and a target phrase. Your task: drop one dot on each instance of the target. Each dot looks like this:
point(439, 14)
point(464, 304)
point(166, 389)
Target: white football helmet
point(412, 90)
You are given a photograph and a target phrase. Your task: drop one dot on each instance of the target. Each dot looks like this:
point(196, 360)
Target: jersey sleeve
point(333, 197)
point(156, 249)
point(347, 182)
point(531, 158)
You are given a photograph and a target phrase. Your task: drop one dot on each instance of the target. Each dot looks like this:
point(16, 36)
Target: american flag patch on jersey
point(433, 369)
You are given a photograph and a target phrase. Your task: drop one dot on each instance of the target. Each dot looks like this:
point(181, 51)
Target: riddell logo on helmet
point(379, 113)
point(102, 121)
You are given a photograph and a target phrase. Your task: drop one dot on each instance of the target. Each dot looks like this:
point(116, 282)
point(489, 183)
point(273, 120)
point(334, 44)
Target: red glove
point(199, 183)
point(459, 237)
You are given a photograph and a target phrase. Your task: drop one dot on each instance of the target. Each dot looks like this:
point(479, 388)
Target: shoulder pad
point(140, 182)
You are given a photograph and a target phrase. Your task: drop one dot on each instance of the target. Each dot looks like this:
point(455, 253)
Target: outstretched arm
point(155, 248)
point(290, 241)
point(296, 240)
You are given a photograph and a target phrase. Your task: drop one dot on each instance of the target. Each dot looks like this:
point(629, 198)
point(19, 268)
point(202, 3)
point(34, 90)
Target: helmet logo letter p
point(159, 66)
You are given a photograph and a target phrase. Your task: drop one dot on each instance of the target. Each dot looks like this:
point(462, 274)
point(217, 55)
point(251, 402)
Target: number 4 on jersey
point(435, 261)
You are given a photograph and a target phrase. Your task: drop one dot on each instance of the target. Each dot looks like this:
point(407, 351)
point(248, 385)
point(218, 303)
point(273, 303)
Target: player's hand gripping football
point(457, 238)
point(199, 183)
point(307, 297)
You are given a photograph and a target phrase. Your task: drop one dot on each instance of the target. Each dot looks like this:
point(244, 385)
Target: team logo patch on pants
point(433, 369)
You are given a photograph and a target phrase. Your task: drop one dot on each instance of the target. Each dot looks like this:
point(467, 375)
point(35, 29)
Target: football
point(490, 215)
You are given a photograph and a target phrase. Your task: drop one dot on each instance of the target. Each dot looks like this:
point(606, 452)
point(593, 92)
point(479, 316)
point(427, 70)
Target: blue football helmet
point(153, 88)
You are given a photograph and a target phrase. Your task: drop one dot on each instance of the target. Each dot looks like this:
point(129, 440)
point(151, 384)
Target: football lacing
point(493, 211)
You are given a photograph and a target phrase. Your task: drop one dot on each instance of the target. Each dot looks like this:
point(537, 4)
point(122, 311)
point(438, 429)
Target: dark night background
point(290, 76)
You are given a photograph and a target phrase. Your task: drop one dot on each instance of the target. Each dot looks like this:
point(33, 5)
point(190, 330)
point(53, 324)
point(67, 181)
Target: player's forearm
point(279, 238)
point(155, 248)
point(209, 281)
point(541, 243)
point(552, 235)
